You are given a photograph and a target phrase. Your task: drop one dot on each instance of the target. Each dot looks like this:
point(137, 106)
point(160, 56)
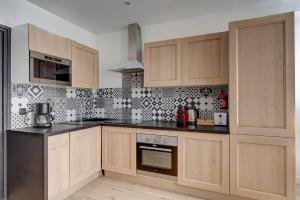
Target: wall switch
point(22, 111)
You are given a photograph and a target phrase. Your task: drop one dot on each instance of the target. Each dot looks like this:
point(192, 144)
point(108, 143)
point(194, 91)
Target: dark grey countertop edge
point(204, 129)
point(64, 128)
point(43, 132)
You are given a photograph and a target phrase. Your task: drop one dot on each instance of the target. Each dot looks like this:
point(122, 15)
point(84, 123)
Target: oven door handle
point(155, 148)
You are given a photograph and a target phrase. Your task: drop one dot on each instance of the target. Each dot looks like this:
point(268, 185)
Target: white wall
point(113, 49)
point(297, 78)
point(17, 12)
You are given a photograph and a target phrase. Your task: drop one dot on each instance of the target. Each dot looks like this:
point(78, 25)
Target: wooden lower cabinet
point(58, 164)
point(119, 150)
point(203, 161)
point(262, 167)
point(85, 154)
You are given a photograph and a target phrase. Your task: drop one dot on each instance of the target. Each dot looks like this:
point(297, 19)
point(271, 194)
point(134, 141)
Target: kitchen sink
point(97, 119)
point(79, 122)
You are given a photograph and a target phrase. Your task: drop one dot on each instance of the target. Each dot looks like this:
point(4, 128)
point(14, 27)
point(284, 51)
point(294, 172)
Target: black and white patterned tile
point(35, 91)
point(133, 100)
point(136, 114)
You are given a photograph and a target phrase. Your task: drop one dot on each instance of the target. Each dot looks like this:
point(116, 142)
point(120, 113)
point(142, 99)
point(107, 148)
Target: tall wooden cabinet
point(162, 63)
point(205, 59)
point(85, 154)
point(203, 161)
point(119, 150)
point(85, 66)
point(262, 108)
point(262, 76)
point(58, 165)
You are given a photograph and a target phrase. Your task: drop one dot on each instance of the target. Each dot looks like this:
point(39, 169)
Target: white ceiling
point(102, 16)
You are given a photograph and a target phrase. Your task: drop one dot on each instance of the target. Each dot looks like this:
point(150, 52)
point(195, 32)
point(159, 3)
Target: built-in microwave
point(48, 69)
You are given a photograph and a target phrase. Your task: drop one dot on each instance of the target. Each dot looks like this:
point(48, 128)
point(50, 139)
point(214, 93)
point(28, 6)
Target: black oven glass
point(157, 158)
point(50, 70)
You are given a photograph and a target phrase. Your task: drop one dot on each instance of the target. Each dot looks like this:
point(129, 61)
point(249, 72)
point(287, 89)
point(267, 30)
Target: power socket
point(22, 111)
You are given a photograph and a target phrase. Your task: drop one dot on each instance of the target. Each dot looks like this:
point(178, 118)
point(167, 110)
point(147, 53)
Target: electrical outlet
point(22, 111)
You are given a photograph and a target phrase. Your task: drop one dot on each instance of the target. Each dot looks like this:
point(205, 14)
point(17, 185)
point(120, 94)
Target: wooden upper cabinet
point(203, 161)
point(58, 165)
point(85, 66)
point(262, 167)
point(85, 154)
point(205, 59)
point(162, 63)
point(199, 60)
point(119, 150)
point(262, 71)
point(49, 43)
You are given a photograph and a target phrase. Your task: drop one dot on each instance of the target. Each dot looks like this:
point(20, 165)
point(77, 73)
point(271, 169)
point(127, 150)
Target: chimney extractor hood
point(134, 63)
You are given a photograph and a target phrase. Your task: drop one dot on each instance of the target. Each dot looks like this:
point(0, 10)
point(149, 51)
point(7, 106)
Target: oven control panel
point(157, 139)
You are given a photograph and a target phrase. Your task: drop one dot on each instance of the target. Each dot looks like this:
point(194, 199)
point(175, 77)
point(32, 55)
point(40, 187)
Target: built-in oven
point(48, 69)
point(157, 154)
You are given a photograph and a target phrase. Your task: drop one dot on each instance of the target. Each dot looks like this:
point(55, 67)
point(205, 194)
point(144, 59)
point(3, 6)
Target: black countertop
point(161, 125)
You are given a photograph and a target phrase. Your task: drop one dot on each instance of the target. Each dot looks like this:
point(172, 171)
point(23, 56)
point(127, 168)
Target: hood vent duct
point(134, 63)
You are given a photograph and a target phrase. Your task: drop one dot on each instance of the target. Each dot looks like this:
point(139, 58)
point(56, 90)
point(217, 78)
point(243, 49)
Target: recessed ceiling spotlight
point(128, 3)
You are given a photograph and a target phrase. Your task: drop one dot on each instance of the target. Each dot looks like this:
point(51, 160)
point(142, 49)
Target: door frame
point(5, 89)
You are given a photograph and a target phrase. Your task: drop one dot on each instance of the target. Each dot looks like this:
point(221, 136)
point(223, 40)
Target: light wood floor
point(111, 189)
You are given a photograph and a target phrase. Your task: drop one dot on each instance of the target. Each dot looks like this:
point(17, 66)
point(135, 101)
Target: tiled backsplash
point(131, 101)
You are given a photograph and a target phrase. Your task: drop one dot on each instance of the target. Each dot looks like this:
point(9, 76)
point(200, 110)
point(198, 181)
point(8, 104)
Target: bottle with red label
point(223, 100)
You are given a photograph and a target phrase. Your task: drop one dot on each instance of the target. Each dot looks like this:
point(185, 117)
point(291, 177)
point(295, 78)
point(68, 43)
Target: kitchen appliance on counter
point(193, 115)
point(182, 116)
point(48, 69)
point(220, 119)
point(157, 154)
point(43, 118)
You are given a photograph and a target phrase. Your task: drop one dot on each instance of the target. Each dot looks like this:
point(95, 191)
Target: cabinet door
point(119, 150)
point(262, 76)
point(205, 59)
point(262, 167)
point(49, 43)
point(85, 66)
point(203, 161)
point(84, 154)
point(162, 62)
point(58, 164)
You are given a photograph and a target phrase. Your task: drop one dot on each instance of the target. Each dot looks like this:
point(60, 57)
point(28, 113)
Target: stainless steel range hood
point(134, 63)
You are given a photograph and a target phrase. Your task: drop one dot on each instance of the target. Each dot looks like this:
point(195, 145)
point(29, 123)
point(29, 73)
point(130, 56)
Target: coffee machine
point(43, 118)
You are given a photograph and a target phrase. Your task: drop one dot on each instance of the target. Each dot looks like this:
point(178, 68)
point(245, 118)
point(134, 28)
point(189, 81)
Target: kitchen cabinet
point(262, 167)
point(119, 150)
point(262, 76)
point(162, 63)
point(58, 164)
point(85, 66)
point(205, 59)
point(203, 161)
point(49, 43)
point(198, 60)
point(85, 154)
